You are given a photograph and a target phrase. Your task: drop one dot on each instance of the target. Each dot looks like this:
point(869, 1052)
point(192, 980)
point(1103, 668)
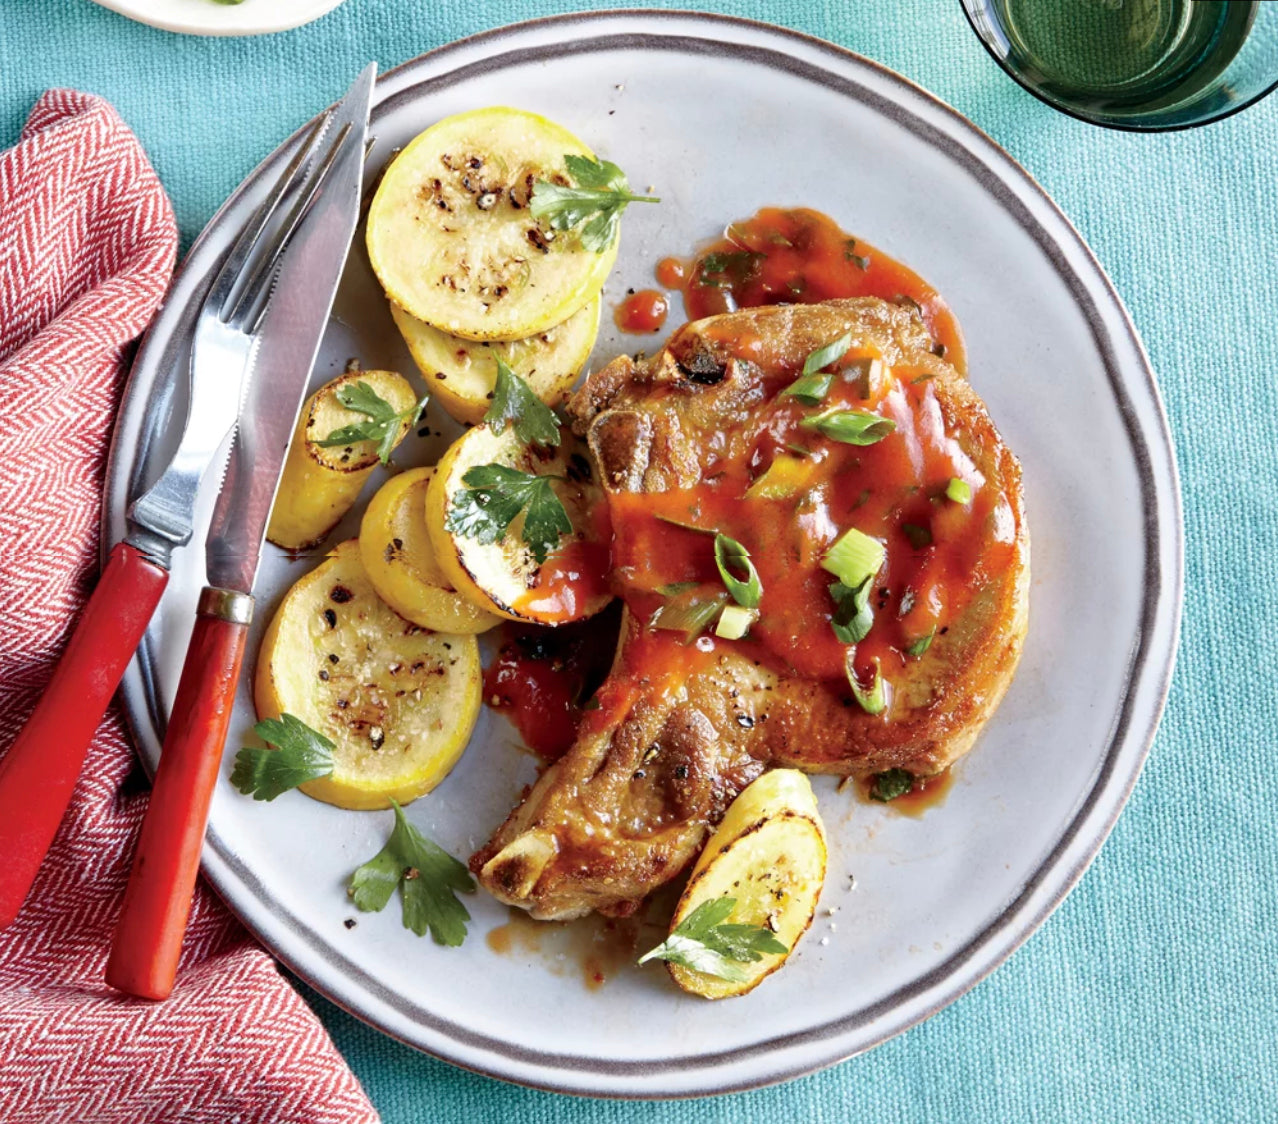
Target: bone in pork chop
point(701, 439)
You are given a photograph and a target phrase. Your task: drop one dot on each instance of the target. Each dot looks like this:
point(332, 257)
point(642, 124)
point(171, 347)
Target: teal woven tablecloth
point(1152, 994)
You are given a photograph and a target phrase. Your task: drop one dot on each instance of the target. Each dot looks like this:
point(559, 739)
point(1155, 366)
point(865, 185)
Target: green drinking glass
point(1144, 65)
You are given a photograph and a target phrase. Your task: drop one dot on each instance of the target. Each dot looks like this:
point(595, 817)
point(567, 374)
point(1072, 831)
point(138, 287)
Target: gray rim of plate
point(1149, 670)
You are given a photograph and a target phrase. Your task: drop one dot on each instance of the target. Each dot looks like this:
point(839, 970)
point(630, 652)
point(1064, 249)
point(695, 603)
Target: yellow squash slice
point(460, 373)
point(768, 854)
point(453, 242)
point(398, 701)
point(504, 577)
point(318, 484)
point(399, 558)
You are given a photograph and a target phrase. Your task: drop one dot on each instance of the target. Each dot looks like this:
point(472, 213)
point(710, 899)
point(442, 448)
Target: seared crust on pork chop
point(682, 729)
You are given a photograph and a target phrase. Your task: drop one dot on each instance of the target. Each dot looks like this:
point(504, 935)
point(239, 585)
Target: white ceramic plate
point(722, 116)
point(204, 17)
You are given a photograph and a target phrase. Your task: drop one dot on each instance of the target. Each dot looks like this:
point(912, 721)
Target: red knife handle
point(157, 902)
point(38, 774)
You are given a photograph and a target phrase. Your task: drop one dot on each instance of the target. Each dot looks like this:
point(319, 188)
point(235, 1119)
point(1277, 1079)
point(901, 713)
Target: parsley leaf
point(594, 205)
point(429, 880)
point(300, 754)
point(382, 420)
point(891, 784)
point(514, 403)
point(702, 942)
point(853, 616)
point(492, 500)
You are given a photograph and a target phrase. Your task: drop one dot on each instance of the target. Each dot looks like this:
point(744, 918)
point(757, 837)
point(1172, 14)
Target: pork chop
point(686, 443)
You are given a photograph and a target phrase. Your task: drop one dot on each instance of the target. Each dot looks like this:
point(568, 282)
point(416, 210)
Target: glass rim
point(969, 5)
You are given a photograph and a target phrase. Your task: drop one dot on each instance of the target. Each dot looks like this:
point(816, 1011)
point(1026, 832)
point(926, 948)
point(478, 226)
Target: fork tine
point(250, 306)
point(224, 283)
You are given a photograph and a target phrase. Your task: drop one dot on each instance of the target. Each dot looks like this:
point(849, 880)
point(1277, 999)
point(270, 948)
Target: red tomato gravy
point(893, 490)
point(544, 678)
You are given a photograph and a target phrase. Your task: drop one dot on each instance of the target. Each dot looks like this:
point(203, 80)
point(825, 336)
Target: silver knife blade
point(218, 370)
point(289, 342)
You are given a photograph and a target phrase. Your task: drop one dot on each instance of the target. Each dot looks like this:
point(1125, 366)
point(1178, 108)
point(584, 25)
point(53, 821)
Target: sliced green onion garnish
point(891, 784)
point(810, 389)
point(855, 558)
point(688, 613)
point(730, 555)
point(830, 353)
point(872, 700)
point(853, 616)
point(921, 645)
point(735, 622)
point(919, 536)
point(686, 526)
point(960, 491)
point(852, 427)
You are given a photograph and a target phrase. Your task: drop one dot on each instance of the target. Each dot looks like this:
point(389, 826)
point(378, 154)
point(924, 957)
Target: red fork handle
point(148, 938)
point(38, 774)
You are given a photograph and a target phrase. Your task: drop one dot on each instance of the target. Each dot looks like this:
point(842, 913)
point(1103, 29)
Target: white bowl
point(206, 17)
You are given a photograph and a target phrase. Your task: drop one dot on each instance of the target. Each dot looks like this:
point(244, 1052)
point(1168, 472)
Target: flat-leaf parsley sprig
point(429, 880)
point(703, 942)
point(299, 754)
point(515, 404)
point(494, 497)
point(381, 422)
point(594, 205)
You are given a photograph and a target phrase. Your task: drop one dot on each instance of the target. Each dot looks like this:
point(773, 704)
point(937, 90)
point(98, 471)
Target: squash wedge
point(319, 484)
point(453, 242)
point(769, 854)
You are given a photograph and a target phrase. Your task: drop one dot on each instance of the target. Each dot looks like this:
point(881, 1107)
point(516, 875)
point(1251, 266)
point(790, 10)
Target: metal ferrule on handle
point(157, 902)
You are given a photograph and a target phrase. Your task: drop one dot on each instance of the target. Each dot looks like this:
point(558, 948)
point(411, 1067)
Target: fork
point(39, 772)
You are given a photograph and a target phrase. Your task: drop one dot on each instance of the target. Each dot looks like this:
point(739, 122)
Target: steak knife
point(157, 902)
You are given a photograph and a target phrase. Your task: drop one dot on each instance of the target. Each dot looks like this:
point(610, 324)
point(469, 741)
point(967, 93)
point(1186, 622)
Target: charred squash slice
point(452, 239)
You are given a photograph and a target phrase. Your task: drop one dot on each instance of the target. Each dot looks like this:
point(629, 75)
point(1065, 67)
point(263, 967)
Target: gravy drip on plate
point(800, 256)
point(642, 313)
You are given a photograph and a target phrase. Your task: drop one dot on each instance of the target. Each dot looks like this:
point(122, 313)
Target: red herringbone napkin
point(87, 241)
